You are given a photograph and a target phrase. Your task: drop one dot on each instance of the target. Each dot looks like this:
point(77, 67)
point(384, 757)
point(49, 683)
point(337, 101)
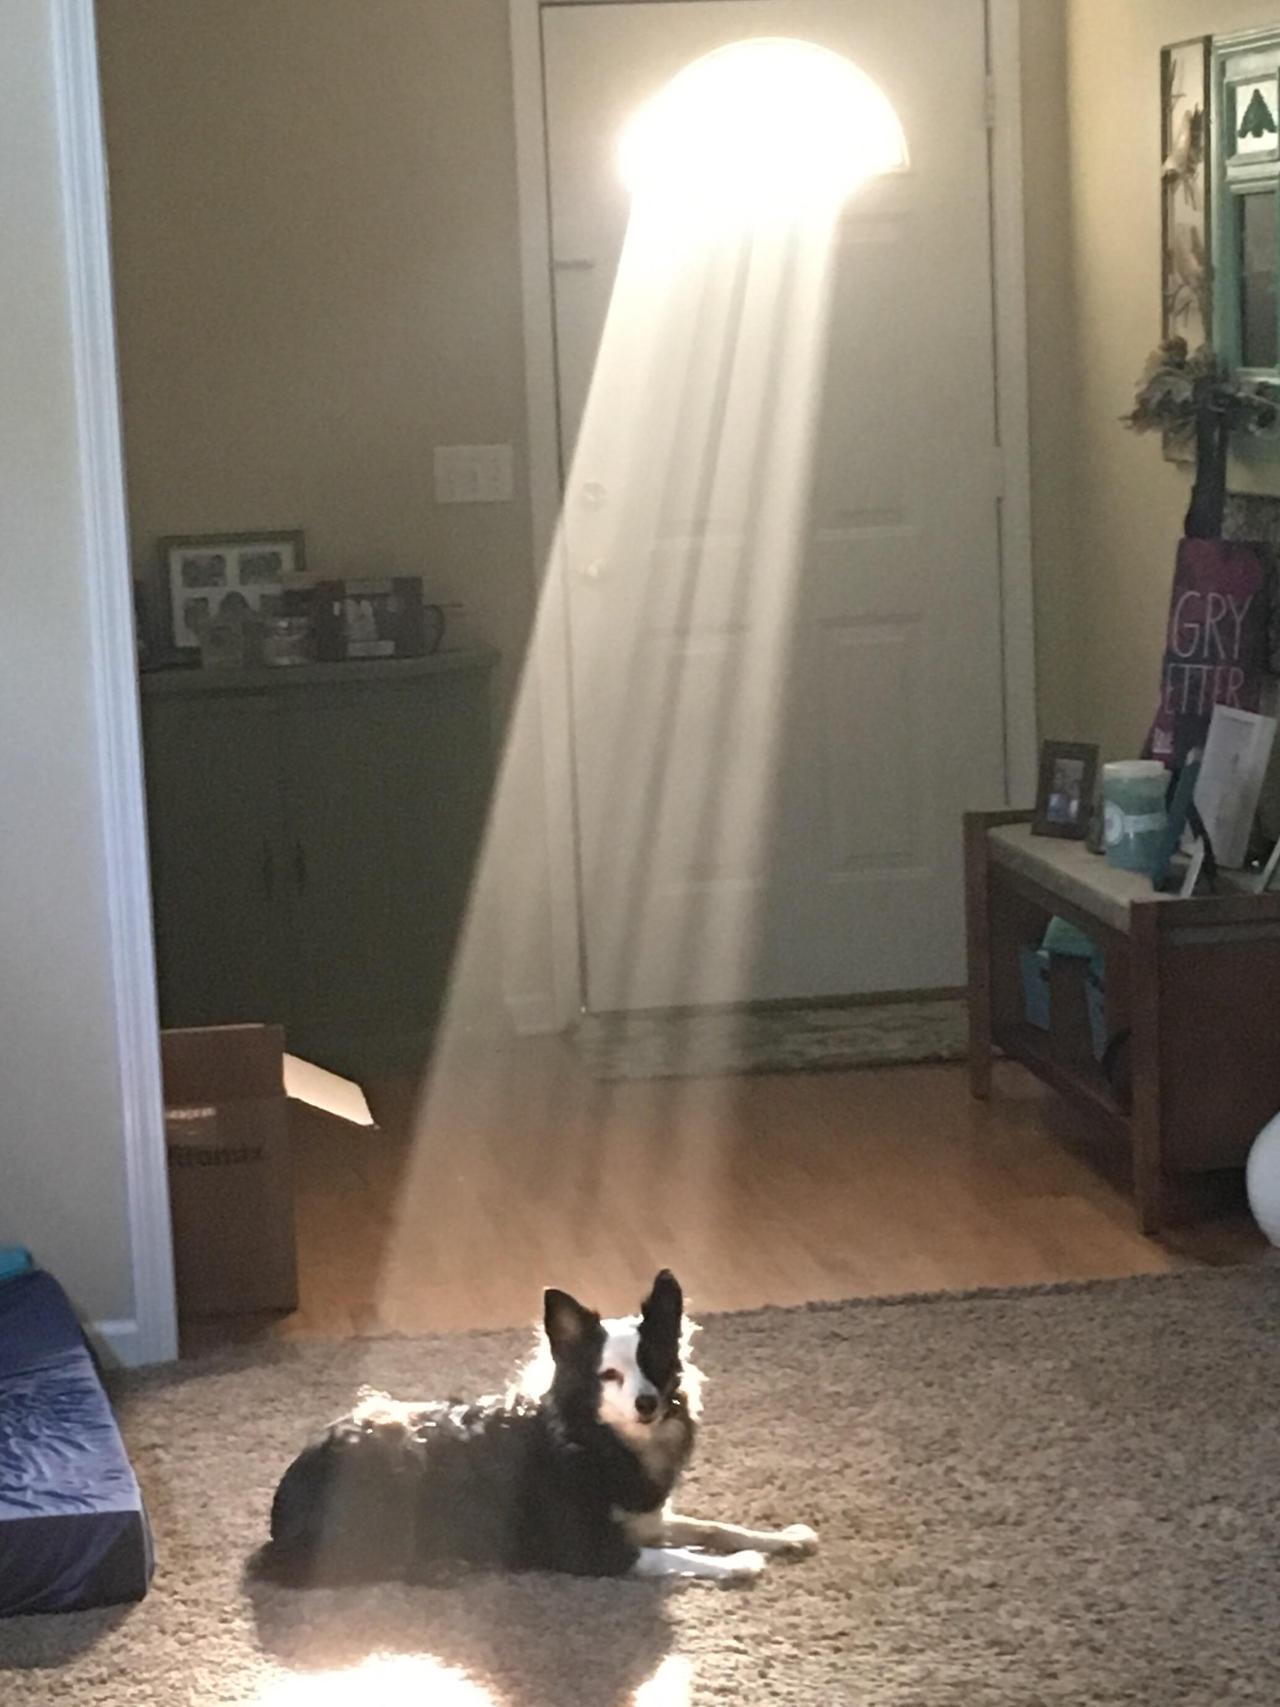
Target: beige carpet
point(1062, 1497)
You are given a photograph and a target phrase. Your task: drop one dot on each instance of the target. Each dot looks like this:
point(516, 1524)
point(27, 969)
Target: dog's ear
point(661, 1325)
point(565, 1320)
point(663, 1309)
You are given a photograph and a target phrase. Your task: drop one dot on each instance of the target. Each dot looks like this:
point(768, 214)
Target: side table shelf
point(1196, 983)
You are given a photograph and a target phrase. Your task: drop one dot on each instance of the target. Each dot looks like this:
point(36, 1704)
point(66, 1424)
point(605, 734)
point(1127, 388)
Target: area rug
point(1061, 1498)
point(711, 1043)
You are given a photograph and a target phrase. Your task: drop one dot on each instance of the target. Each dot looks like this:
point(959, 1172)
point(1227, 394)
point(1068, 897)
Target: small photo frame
point(208, 575)
point(375, 617)
point(1064, 796)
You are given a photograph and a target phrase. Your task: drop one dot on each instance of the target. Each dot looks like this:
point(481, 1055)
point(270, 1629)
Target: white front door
point(780, 530)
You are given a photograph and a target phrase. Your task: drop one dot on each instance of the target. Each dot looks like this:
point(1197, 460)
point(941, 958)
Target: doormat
point(714, 1043)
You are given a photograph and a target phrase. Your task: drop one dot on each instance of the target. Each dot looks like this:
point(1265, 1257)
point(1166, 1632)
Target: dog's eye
point(611, 1375)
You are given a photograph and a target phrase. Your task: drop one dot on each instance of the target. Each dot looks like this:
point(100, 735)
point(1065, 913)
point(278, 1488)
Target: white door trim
point(547, 661)
point(548, 655)
point(150, 1336)
point(1004, 65)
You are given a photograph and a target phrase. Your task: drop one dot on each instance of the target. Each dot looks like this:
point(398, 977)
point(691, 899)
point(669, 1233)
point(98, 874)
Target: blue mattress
point(73, 1532)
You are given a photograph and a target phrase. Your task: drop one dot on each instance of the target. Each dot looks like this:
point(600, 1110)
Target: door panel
point(780, 527)
point(871, 677)
point(217, 859)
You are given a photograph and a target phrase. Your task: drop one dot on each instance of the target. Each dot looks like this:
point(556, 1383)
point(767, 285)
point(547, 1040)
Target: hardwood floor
point(509, 1169)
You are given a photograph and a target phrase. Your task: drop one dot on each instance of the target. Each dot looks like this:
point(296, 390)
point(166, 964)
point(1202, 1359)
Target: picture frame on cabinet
point(1065, 793)
point(211, 575)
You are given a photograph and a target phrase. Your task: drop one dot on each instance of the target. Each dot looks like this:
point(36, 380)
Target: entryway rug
point(714, 1042)
point(1060, 1498)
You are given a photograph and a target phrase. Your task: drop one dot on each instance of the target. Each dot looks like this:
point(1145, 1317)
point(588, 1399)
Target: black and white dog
point(572, 1471)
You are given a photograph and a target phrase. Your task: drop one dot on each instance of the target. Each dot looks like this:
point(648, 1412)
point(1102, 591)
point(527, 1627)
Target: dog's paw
point(799, 1540)
point(742, 1567)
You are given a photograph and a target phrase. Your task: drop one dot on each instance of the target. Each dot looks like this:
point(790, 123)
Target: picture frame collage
point(210, 576)
point(207, 583)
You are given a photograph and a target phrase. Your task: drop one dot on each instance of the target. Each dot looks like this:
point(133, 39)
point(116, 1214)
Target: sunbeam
point(396, 1680)
point(675, 574)
point(393, 1680)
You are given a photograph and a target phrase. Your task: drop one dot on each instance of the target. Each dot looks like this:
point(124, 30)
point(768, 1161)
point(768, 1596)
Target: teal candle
point(1133, 813)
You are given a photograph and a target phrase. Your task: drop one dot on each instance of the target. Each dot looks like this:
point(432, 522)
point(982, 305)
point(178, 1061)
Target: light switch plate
point(474, 474)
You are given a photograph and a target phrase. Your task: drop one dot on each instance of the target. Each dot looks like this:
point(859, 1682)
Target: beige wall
point(1113, 554)
point(314, 224)
point(319, 282)
point(62, 1121)
point(315, 232)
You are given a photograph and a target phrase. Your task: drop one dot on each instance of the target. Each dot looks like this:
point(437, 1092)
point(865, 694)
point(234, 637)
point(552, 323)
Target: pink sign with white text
point(1216, 644)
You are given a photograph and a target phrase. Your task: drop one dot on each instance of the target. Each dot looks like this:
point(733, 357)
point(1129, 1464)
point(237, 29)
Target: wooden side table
point(1196, 982)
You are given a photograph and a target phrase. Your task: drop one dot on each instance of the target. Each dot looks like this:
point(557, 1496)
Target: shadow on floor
point(50, 1641)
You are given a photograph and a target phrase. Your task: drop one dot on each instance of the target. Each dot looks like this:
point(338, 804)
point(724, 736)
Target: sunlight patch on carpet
point(392, 1680)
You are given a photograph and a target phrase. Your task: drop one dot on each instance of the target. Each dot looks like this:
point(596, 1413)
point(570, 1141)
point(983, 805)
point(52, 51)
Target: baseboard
point(118, 1343)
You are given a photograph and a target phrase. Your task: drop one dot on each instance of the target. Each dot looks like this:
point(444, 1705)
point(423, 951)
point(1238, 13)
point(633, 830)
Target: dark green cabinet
point(217, 876)
point(314, 833)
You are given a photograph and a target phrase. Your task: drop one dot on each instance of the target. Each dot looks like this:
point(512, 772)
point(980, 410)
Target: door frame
point(547, 670)
point(150, 1335)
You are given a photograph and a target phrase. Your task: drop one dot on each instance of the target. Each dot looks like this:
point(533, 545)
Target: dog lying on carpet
point(572, 1471)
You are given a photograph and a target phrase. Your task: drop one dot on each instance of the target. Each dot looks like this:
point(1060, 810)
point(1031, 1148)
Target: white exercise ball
point(1262, 1179)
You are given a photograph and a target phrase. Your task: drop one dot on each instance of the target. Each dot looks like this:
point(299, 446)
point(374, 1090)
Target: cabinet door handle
point(300, 866)
point(268, 869)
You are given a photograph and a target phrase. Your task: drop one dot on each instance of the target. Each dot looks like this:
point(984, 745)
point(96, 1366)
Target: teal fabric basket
point(1062, 937)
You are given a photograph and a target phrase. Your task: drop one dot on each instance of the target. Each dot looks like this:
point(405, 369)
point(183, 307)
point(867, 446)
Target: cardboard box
point(229, 1092)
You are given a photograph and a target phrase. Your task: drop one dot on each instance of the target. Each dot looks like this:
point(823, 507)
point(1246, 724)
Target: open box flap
point(318, 1088)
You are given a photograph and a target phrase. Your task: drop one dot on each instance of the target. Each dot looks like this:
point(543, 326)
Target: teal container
point(1133, 812)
